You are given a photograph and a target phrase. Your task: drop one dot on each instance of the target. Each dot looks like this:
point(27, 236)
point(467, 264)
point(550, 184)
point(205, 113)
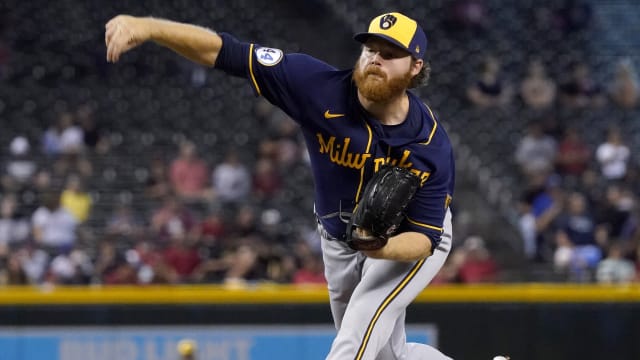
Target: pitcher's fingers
point(111, 49)
point(108, 35)
point(117, 51)
point(108, 53)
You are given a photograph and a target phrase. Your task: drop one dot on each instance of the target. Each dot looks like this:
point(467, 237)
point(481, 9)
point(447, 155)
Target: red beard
point(375, 86)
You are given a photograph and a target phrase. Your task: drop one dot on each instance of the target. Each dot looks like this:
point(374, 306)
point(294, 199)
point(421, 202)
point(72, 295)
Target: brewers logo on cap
point(387, 21)
point(398, 29)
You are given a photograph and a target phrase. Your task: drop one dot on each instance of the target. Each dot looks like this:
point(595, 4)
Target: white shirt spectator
point(19, 166)
point(58, 227)
point(527, 227)
point(231, 181)
point(62, 268)
point(536, 152)
point(13, 231)
point(615, 271)
point(72, 139)
point(73, 268)
point(613, 159)
point(34, 263)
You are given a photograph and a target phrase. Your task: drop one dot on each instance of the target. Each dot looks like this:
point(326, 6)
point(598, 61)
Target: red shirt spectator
point(172, 220)
point(311, 272)
point(181, 258)
point(189, 173)
point(573, 154)
point(477, 264)
point(266, 181)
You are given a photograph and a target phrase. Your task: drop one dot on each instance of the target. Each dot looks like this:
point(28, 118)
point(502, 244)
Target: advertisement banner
point(263, 342)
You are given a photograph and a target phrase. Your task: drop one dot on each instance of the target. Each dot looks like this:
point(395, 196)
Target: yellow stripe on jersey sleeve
point(253, 77)
point(425, 225)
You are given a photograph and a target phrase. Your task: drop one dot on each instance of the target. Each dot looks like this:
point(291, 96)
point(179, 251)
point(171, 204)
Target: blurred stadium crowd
point(156, 170)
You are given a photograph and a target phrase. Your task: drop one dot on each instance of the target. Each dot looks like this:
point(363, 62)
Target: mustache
point(372, 70)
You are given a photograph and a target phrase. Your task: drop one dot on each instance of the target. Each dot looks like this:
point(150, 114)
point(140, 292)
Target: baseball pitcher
point(382, 163)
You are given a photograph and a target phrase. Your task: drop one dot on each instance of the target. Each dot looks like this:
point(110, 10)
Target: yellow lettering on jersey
point(402, 162)
point(377, 162)
point(405, 156)
point(339, 152)
point(423, 177)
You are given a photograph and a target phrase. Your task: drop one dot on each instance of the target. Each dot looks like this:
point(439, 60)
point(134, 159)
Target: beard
point(375, 86)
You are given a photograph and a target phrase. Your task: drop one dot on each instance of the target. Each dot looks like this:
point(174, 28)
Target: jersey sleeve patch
point(268, 56)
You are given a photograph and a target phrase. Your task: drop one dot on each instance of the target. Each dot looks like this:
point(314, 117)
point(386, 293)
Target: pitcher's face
point(384, 70)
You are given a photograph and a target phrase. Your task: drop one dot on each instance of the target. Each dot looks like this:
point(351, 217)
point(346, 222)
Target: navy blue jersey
point(345, 143)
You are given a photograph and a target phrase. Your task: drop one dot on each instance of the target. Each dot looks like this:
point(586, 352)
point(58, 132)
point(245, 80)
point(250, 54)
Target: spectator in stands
point(276, 264)
point(309, 268)
point(75, 199)
point(527, 228)
point(54, 227)
point(245, 222)
point(182, 258)
point(613, 155)
point(210, 233)
point(242, 262)
point(64, 137)
point(470, 262)
point(72, 163)
point(573, 156)
point(615, 268)
point(581, 90)
point(287, 144)
point(491, 89)
point(106, 260)
point(537, 90)
point(541, 206)
point(311, 271)
point(231, 180)
point(157, 186)
point(72, 267)
point(65, 143)
point(267, 181)
point(172, 220)
point(34, 261)
point(149, 262)
point(536, 152)
point(94, 137)
point(13, 273)
point(123, 273)
point(20, 167)
point(72, 136)
point(52, 140)
point(14, 228)
point(124, 222)
point(577, 251)
point(234, 264)
point(624, 89)
point(29, 198)
point(189, 175)
point(477, 265)
point(616, 212)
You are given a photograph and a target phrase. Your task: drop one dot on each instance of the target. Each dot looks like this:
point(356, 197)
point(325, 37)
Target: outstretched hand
point(123, 33)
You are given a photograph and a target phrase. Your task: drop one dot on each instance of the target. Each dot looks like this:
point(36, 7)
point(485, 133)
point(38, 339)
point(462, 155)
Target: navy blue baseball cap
point(398, 29)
